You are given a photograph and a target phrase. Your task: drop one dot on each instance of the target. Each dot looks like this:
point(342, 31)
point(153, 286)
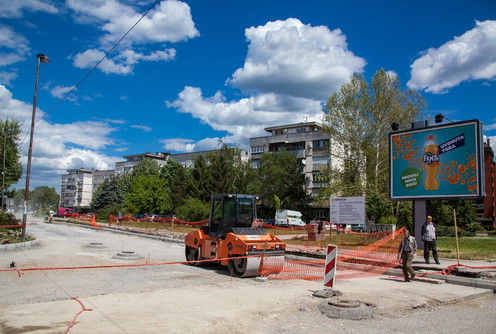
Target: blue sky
point(194, 72)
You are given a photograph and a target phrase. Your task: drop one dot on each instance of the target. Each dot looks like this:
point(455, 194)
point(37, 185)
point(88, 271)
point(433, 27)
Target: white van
point(288, 218)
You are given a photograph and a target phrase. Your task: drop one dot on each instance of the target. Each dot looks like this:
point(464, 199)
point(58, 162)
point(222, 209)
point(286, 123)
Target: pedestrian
point(406, 252)
point(429, 237)
point(50, 217)
point(119, 219)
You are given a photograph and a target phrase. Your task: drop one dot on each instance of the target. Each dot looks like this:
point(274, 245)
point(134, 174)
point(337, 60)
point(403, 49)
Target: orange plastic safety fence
point(173, 220)
point(371, 260)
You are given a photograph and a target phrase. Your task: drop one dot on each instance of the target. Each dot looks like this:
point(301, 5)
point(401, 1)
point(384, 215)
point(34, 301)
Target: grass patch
point(471, 248)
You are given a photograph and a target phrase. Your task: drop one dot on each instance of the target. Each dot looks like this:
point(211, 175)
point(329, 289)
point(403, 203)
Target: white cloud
point(471, 56)
point(122, 63)
point(16, 43)
point(291, 58)
point(14, 9)
point(143, 128)
point(247, 117)
point(61, 91)
point(56, 146)
point(170, 21)
point(289, 71)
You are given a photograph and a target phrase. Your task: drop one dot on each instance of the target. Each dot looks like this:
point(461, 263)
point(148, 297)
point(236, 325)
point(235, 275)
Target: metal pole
point(41, 58)
point(3, 169)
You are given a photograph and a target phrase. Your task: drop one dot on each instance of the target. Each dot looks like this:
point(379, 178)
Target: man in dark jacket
point(429, 237)
point(406, 253)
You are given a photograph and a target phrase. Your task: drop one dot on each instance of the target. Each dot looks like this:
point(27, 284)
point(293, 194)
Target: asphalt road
point(169, 297)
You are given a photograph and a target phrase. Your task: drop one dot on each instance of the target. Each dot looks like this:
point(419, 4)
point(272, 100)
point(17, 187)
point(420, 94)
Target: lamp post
point(4, 154)
point(41, 59)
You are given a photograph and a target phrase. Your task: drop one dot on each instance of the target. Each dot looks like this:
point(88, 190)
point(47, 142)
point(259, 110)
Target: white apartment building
point(310, 146)
point(77, 188)
point(122, 167)
point(188, 159)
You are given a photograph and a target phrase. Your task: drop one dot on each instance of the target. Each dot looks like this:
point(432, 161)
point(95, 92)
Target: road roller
point(230, 239)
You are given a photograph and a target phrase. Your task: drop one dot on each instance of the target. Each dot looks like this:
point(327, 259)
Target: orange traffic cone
point(93, 221)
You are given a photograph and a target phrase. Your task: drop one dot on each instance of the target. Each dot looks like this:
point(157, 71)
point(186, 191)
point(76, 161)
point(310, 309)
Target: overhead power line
point(97, 64)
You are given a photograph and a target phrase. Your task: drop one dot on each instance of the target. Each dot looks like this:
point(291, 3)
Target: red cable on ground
point(77, 315)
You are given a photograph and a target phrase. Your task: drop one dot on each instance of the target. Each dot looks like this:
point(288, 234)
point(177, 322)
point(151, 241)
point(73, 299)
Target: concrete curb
point(457, 280)
point(19, 246)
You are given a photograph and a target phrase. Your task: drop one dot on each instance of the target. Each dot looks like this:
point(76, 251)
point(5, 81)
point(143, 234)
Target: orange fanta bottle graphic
point(431, 164)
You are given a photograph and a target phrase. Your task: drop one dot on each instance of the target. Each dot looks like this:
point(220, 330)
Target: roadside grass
point(470, 248)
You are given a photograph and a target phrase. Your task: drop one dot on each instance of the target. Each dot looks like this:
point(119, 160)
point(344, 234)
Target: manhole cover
point(95, 245)
point(346, 309)
point(127, 255)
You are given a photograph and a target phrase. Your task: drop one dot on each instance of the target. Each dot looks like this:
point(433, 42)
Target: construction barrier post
point(330, 265)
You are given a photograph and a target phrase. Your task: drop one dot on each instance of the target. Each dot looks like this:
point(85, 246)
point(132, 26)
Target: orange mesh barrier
point(371, 260)
point(173, 220)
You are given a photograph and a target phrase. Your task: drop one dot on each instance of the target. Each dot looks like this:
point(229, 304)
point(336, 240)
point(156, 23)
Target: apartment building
point(122, 167)
point(306, 141)
point(99, 176)
point(188, 159)
point(77, 188)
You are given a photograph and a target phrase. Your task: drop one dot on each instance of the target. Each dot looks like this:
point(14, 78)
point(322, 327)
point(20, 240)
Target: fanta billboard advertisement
point(437, 162)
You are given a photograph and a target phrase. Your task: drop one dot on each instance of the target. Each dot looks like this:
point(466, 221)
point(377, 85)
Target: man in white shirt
point(429, 238)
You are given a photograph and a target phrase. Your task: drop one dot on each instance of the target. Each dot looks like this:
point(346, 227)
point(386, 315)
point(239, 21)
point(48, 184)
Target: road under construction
point(85, 279)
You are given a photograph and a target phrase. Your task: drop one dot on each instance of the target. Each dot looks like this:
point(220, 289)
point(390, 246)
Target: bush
point(449, 231)
point(193, 210)
point(475, 227)
point(388, 220)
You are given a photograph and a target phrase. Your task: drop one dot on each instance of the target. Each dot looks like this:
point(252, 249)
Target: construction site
point(106, 278)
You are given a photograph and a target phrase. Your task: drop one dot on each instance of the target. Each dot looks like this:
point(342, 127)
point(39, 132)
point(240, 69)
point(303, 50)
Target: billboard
point(437, 162)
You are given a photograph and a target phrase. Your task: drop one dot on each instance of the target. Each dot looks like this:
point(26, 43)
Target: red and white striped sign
point(330, 267)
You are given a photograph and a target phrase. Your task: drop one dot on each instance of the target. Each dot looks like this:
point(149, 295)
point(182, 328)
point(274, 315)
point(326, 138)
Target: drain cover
point(347, 309)
point(95, 245)
point(127, 255)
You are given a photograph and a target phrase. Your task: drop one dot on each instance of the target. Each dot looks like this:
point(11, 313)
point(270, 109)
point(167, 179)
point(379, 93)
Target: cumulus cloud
point(289, 71)
point(55, 147)
point(169, 22)
point(15, 9)
point(247, 117)
point(471, 56)
point(296, 59)
point(17, 46)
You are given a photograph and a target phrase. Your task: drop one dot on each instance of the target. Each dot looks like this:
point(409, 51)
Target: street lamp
point(41, 59)
point(4, 154)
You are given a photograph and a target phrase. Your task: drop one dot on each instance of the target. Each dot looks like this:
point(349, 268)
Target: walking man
point(428, 234)
point(406, 251)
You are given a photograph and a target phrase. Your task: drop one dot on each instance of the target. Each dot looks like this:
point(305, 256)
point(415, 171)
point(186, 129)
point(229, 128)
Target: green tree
point(108, 194)
point(43, 198)
point(358, 120)
point(193, 209)
point(182, 187)
point(10, 131)
point(442, 212)
point(202, 177)
point(281, 183)
point(148, 195)
point(228, 170)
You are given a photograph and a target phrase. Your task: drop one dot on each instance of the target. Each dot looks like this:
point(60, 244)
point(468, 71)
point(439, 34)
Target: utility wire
point(101, 60)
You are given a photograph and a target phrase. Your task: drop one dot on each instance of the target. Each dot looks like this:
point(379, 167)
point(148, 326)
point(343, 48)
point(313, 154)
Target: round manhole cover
point(127, 255)
point(95, 245)
point(346, 309)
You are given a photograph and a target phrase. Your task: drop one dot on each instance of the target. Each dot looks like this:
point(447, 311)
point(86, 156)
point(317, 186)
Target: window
point(320, 143)
point(301, 130)
point(257, 149)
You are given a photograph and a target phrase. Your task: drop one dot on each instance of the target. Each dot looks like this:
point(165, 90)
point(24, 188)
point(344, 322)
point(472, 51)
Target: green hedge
point(449, 231)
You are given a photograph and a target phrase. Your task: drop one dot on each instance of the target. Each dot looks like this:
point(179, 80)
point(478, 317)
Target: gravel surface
point(169, 297)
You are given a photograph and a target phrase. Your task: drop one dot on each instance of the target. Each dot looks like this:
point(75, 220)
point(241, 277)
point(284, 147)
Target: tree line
point(185, 191)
